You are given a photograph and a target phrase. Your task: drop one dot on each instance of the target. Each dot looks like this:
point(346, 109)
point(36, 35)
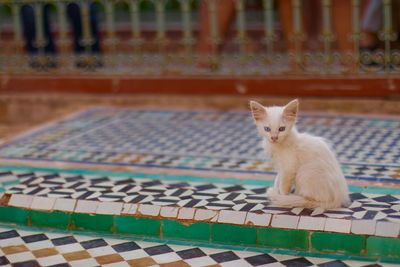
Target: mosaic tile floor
point(368, 147)
point(20, 248)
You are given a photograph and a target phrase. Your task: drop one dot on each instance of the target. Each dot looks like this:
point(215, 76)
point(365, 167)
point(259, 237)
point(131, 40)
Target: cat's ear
point(259, 112)
point(290, 110)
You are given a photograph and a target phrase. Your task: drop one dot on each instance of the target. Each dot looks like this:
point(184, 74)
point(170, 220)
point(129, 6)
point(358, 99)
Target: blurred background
point(61, 56)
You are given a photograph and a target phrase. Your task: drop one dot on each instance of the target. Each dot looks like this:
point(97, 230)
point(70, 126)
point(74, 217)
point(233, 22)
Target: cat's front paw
point(272, 192)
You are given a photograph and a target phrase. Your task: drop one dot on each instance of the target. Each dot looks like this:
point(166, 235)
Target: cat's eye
point(281, 129)
point(267, 129)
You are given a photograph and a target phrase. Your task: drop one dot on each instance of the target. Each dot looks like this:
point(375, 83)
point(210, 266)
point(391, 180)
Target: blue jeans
point(74, 16)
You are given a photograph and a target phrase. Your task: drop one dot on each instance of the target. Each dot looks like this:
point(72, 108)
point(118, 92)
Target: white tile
point(133, 209)
point(51, 260)
point(169, 212)
point(109, 208)
point(86, 263)
point(149, 210)
point(117, 264)
point(20, 201)
point(201, 261)
point(363, 227)
point(387, 229)
point(39, 245)
point(232, 216)
point(11, 241)
point(135, 254)
point(101, 251)
point(186, 213)
point(206, 215)
point(43, 203)
point(70, 248)
point(337, 225)
point(285, 221)
point(235, 263)
point(125, 208)
point(257, 219)
point(311, 223)
point(65, 204)
point(166, 258)
point(16, 257)
point(86, 206)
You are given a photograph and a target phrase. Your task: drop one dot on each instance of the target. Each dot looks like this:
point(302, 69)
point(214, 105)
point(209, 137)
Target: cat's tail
point(293, 200)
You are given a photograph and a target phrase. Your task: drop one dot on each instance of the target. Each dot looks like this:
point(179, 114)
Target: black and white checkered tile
point(215, 196)
point(28, 248)
point(205, 140)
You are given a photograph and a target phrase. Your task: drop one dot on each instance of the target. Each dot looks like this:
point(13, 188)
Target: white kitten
point(301, 160)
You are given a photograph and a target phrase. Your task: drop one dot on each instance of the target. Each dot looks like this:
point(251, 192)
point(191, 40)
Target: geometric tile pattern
point(198, 195)
point(367, 147)
point(29, 248)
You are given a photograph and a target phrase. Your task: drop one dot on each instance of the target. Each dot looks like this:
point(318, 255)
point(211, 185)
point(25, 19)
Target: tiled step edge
point(221, 227)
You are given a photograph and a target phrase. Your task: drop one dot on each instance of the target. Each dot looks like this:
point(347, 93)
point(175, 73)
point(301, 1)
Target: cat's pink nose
point(274, 138)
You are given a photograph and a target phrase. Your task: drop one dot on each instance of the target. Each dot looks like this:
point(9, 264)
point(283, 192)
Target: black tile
point(297, 262)
point(95, 243)
point(234, 188)
point(224, 256)
point(8, 234)
point(386, 198)
point(64, 240)
point(128, 246)
point(356, 196)
point(336, 263)
point(205, 187)
point(260, 259)
point(35, 238)
point(4, 260)
point(31, 263)
point(60, 265)
point(191, 253)
point(161, 249)
point(5, 173)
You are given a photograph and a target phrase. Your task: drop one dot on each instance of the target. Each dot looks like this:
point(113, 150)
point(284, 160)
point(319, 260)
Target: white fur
point(302, 161)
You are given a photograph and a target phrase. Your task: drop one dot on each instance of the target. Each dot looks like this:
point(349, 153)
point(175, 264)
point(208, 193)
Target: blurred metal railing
point(196, 37)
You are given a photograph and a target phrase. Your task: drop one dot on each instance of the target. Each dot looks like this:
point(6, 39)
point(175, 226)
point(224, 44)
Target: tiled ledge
point(379, 240)
point(369, 214)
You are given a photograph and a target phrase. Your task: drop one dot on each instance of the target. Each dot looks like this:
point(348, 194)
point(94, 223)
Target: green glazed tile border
point(195, 231)
point(383, 247)
point(98, 222)
point(53, 219)
point(137, 226)
point(336, 242)
point(216, 233)
point(283, 238)
point(233, 234)
point(14, 215)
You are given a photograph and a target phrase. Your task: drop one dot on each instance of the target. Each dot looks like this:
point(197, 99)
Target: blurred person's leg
point(74, 15)
point(371, 24)
point(29, 30)
point(225, 14)
point(28, 25)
